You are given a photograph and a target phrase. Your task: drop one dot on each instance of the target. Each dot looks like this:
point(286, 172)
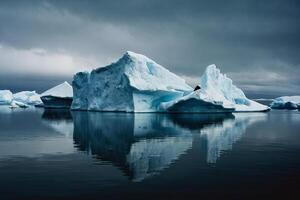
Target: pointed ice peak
point(63, 90)
point(220, 88)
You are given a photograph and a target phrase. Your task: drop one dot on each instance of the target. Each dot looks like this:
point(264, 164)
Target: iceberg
point(134, 83)
point(18, 104)
point(59, 96)
point(286, 102)
point(215, 93)
point(27, 97)
point(6, 97)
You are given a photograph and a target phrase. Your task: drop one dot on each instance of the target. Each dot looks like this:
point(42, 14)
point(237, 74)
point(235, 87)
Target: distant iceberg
point(134, 83)
point(217, 89)
point(6, 97)
point(286, 102)
point(59, 96)
point(18, 104)
point(27, 97)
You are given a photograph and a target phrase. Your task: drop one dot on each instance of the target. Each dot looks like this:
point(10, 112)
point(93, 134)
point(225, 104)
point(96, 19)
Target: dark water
point(80, 155)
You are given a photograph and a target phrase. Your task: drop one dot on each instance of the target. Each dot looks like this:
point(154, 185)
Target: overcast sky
point(255, 42)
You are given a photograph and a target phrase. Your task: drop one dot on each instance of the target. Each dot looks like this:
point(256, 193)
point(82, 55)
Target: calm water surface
point(59, 154)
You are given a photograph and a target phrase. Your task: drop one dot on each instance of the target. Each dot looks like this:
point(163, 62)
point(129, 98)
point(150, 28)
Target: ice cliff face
point(286, 102)
point(134, 83)
point(217, 93)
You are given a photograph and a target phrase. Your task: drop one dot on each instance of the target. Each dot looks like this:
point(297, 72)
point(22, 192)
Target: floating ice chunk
point(6, 97)
point(28, 97)
point(216, 94)
point(59, 96)
point(63, 90)
point(220, 88)
point(286, 102)
point(17, 104)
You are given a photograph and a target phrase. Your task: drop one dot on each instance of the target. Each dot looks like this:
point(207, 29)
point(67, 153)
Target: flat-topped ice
point(134, 83)
point(286, 102)
point(63, 90)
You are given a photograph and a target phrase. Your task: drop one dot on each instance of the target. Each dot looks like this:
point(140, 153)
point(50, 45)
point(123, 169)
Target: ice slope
point(134, 83)
point(220, 87)
point(63, 90)
point(197, 102)
point(217, 89)
point(27, 97)
point(286, 102)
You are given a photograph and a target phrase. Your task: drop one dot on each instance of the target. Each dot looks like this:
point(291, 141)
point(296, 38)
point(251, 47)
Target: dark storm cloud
point(256, 42)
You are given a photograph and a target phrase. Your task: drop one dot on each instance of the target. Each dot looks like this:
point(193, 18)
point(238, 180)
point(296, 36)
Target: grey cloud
point(240, 36)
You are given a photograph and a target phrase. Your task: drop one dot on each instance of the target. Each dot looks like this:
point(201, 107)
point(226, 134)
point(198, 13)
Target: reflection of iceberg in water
point(140, 144)
point(221, 137)
point(149, 156)
point(60, 120)
point(143, 145)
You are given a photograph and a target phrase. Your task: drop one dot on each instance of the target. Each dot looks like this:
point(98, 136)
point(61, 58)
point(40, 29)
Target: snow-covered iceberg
point(59, 96)
point(18, 104)
point(27, 97)
point(6, 97)
point(134, 83)
point(286, 102)
point(218, 90)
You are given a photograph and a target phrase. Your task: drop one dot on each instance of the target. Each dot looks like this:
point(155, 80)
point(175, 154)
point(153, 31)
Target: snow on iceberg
point(134, 83)
point(27, 97)
point(218, 90)
point(18, 104)
point(6, 97)
point(59, 96)
point(286, 102)
point(196, 102)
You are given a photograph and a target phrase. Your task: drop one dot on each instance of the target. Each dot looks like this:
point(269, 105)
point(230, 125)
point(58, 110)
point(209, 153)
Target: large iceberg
point(59, 96)
point(6, 97)
point(286, 102)
point(134, 83)
point(27, 97)
point(217, 89)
